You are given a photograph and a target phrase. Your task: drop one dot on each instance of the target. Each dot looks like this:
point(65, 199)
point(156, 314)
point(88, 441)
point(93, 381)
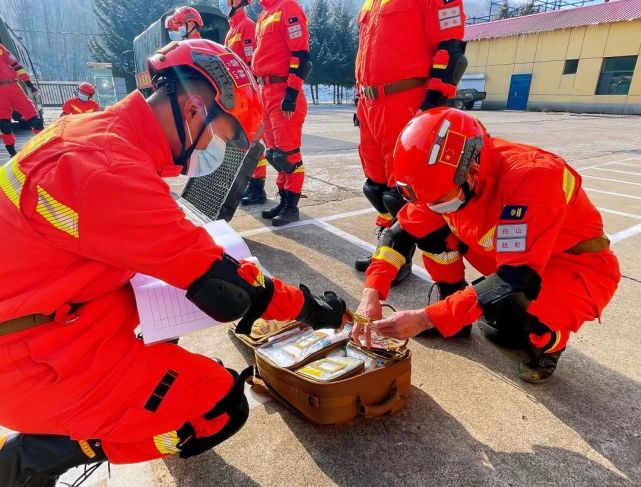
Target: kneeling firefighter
point(85, 207)
point(520, 217)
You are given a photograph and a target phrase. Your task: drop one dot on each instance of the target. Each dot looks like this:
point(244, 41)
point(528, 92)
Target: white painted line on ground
point(632, 173)
point(613, 193)
point(311, 221)
point(627, 164)
point(601, 164)
point(617, 212)
point(420, 272)
point(611, 180)
point(625, 234)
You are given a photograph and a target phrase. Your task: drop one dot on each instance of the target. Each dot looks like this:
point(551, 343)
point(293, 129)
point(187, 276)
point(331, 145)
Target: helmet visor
point(406, 191)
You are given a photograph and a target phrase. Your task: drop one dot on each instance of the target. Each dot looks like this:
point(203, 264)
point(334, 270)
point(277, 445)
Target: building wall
point(543, 54)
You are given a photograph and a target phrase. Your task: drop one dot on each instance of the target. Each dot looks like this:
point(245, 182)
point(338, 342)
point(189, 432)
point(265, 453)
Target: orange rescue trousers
point(284, 134)
point(87, 376)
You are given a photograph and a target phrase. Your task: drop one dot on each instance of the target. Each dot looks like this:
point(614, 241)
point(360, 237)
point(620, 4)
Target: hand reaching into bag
point(369, 307)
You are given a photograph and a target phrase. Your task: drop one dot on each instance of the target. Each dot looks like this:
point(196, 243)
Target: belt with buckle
point(8, 81)
point(593, 245)
point(24, 323)
point(270, 80)
point(374, 92)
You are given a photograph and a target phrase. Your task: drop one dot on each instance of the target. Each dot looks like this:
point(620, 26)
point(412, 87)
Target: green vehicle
point(10, 40)
point(155, 36)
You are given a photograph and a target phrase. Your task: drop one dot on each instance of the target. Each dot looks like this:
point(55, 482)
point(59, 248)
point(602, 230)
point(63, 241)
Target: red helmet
point(434, 153)
point(233, 83)
point(182, 15)
point(87, 88)
point(170, 23)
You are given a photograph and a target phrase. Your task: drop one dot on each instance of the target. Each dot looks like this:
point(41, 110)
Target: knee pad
point(6, 127)
point(280, 160)
point(36, 123)
point(374, 193)
point(393, 201)
point(234, 405)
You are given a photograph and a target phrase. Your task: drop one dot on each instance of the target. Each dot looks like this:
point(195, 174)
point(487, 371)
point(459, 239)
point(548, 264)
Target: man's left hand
point(403, 324)
point(288, 106)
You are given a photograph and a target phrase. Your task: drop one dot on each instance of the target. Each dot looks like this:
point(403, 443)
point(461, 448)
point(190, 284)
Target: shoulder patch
point(513, 212)
point(292, 20)
point(248, 41)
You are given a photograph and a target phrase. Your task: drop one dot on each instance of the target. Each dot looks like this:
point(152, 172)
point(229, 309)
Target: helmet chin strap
point(185, 153)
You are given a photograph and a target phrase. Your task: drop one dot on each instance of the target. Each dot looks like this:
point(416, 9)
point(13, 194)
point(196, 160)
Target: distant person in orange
point(241, 39)
point(82, 103)
point(185, 23)
point(12, 98)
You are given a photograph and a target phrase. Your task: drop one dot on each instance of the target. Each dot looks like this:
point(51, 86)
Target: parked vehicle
point(466, 97)
point(155, 36)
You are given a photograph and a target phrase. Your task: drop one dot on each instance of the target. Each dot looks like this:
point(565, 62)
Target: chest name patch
point(513, 212)
point(511, 238)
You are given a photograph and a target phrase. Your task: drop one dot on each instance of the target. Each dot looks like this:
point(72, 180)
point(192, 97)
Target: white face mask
point(174, 35)
point(182, 31)
point(448, 206)
point(83, 97)
point(206, 161)
point(224, 7)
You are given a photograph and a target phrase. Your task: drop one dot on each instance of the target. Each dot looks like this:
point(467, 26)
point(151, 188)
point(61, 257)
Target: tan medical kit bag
point(370, 389)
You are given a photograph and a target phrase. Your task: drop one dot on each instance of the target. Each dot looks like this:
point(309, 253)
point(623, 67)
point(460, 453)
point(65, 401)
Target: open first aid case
point(323, 375)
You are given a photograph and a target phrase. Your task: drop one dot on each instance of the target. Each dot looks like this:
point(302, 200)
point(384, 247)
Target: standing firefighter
point(84, 207)
point(185, 23)
point(519, 215)
point(241, 38)
point(82, 103)
point(410, 58)
point(281, 62)
point(13, 98)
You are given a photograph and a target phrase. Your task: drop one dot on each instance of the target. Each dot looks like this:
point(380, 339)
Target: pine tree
point(120, 21)
point(528, 8)
point(319, 45)
point(504, 11)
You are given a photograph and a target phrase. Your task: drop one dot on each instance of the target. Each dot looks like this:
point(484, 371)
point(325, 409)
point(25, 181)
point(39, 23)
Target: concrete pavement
point(468, 420)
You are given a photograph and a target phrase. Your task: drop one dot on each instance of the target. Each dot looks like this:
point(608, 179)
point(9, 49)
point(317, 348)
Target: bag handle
point(391, 404)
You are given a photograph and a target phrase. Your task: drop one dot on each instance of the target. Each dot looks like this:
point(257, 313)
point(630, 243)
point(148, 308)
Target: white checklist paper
point(164, 311)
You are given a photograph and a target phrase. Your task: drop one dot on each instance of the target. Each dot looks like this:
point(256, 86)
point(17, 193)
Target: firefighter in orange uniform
point(82, 103)
point(281, 63)
point(410, 58)
point(519, 215)
point(12, 98)
point(241, 38)
point(83, 208)
point(185, 23)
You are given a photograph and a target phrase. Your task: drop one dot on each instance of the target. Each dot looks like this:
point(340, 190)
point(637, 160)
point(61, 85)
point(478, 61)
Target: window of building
point(616, 75)
point(571, 66)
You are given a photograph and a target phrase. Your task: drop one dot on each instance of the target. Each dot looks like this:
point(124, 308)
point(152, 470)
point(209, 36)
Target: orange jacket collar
point(238, 17)
point(146, 133)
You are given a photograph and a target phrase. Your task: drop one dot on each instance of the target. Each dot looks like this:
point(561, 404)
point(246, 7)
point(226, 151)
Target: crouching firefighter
point(281, 64)
point(519, 215)
point(84, 388)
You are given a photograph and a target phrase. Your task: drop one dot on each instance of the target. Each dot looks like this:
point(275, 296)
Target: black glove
point(289, 101)
point(325, 312)
point(433, 99)
point(31, 86)
point(446, 289)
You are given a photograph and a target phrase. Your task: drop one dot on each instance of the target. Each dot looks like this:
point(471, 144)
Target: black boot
point(11, 149)
point(362, 263)
point(539, 369)
point(38, 460)
point(256, 193)
point(271, 213)
point(289, 212)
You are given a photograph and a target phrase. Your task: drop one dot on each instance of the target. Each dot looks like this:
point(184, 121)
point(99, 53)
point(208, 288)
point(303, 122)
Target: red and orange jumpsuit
point(83, 207)
point(241, 38)
point(398, 40)
point(11, 95)
point(281, 29)
point(75, 106)
point(528, 209)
